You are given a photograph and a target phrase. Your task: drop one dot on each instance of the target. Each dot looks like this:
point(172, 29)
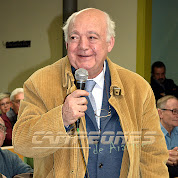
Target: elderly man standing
point(124, 107)
point(10, 117)
point(168, 113)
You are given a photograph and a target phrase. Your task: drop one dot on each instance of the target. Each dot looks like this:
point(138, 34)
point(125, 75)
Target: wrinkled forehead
point(172, 102)
point(159, 70)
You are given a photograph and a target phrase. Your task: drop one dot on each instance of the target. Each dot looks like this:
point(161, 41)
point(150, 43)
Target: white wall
point(40, 21)
point(165, 36)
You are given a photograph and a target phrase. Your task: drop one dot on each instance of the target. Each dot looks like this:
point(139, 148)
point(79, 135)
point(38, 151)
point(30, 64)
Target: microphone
point(81, 76)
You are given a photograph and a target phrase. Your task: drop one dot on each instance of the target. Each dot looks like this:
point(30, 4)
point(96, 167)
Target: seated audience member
point(10, 164)
point(4, 103)
point(168, 113)
point(160, 84)
point(10, 117)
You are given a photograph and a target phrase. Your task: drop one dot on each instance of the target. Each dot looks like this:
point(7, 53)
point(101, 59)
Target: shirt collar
point(165, 132)
point(175, 130)
point(99, 79)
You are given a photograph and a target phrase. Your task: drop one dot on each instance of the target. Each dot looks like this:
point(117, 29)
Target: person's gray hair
point(161, 103)
point(15, 92)
point(4, 95)
point(110, 25)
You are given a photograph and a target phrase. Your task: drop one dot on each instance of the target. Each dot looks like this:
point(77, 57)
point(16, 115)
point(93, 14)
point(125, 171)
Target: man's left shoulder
point(176, 130)
point(7, 154)
point(130, 76)
point(127, 79)
point(170, 81)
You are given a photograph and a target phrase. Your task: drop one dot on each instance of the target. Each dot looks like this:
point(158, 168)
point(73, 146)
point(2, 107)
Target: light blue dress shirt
point(171, 141)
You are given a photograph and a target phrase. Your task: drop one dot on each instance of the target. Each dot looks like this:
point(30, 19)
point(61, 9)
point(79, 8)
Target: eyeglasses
point(174, 111)
point(2, 128)
point(3, 104)
point(103, 113)
point(16, 101)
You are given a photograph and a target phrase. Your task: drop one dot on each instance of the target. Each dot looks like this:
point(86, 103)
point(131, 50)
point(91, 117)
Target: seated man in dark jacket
point(10, 164)
point(160, 84)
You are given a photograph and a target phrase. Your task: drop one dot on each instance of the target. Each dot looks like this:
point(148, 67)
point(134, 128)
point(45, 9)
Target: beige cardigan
point(39, 132)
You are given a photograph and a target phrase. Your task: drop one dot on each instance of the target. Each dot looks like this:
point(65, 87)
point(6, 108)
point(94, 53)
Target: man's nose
point(84, 43)
point(160, 76)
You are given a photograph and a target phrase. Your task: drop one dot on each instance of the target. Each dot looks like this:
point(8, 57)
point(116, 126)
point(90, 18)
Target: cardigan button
point(100, 165)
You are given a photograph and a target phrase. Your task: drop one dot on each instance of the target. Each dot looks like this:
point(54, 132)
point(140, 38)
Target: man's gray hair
point(161, 103)
point(110, 25)
point(15, 92)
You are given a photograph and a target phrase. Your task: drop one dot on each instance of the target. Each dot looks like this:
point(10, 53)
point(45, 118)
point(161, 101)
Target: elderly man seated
point(10, 164)
point(168, 113)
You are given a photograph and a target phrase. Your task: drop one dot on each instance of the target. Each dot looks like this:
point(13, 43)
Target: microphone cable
point(80, 145)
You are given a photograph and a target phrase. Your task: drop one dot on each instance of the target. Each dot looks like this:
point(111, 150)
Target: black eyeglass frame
point(174, 111)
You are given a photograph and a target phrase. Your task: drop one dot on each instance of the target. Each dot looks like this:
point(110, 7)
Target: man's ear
point(160, 112)
point(111, 44)
point(66, 45)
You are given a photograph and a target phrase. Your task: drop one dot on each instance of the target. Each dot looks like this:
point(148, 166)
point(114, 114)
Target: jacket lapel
point(90, 113)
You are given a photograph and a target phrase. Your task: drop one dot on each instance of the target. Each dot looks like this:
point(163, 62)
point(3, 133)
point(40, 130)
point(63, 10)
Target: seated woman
point(5, 103)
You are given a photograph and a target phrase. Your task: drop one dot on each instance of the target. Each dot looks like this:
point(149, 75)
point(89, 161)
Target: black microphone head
point(81, 76)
